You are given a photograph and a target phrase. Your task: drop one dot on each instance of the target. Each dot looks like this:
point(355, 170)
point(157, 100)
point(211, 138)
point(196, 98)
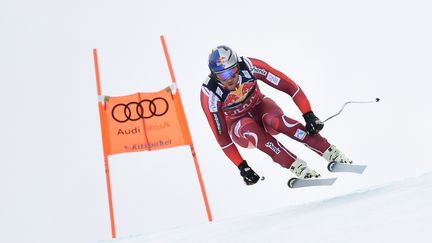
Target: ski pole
point(351, 102)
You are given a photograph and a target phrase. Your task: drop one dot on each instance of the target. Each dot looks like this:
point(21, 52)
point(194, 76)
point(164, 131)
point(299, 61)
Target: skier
point(237, 111)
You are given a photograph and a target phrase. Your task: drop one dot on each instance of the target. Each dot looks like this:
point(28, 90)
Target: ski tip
point(332, 180)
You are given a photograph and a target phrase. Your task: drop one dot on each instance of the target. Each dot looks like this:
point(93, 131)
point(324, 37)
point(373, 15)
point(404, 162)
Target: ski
point(339, 167)
point(297, 182)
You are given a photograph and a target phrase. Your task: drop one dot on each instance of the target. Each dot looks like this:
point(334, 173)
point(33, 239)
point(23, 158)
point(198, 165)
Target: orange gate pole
point(186, 130)
point(105, 142)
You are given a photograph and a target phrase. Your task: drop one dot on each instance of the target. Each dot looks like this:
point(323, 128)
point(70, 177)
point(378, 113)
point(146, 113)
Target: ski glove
point(313, 123)
point(249, 176)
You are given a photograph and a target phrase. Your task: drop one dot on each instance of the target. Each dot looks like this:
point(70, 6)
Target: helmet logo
point(221, 61)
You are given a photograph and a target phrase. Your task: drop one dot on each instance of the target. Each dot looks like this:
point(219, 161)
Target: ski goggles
point(227, 74)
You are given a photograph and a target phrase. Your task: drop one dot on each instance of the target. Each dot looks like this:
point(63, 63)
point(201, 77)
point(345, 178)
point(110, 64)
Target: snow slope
point(400, 211)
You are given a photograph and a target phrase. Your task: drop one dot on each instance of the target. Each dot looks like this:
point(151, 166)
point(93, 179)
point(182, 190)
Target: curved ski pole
point(351, 102)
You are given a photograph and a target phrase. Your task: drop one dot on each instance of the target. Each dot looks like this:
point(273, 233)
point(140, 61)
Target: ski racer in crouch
point(237, 111)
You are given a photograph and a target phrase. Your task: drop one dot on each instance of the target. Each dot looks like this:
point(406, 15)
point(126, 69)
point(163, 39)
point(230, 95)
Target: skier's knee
point(239, 129)
point(271, 124)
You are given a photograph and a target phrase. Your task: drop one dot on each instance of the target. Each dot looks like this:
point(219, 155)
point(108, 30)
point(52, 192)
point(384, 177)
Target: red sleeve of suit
point(216, 119)
point(280, 81)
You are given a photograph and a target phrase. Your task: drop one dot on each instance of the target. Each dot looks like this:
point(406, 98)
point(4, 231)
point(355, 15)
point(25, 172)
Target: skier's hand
point(313, 123)
point(249, 176)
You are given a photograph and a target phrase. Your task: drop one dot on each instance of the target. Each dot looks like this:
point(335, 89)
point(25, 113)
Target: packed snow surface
point(400, 211)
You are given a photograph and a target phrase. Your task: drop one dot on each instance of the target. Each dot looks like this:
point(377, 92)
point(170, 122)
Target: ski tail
point(298, 182)
point(339, 167)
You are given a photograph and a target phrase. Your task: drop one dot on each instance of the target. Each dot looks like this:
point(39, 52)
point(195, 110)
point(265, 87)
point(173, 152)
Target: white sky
point(52, 180)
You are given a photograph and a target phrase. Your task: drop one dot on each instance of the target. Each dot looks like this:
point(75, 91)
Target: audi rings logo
point(144, 109)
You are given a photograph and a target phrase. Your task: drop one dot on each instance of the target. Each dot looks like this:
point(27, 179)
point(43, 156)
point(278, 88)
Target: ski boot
point(333, 154)
point(301, 170)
